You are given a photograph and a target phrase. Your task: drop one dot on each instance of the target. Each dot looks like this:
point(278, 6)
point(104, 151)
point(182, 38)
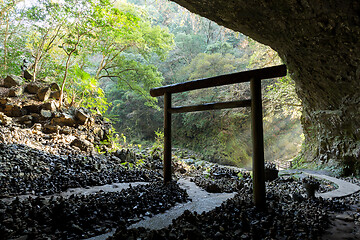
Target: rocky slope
point(31, 114)
point(46, 150)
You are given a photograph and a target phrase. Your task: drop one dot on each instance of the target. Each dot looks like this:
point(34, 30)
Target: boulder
point(65, 130)
point(52, 106)
point(32, 88)
point(83, 144)
point(46, 113)
point(64, 120)
point(4, 101)
point(121, 154)
point(12, 81)
point(54, 87)
point(37, 127)
point(27, 75)
point(48, 129)
point(55, 95)
point(24, 119)
point(33, 108)
point(13, 110)
point(16, 91)
point(44, 93)
point(35, 117)
point(82, 116)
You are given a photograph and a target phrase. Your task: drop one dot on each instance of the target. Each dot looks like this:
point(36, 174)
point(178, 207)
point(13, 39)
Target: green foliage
point(110, 40)
point(11, 41)
point(157, 148)
point(219, 47)
point(208, 65)
point(131, 116)
point(114, 141)
point(87, 90)
point(282, 99)
point(136, 77)
point(190, 45)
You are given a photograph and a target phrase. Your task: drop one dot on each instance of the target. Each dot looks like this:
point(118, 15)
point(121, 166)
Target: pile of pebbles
point(353, 200)
point(296, 185)
point(286, 217)
point(24, 170)
point(218, 179)
point(83, 216)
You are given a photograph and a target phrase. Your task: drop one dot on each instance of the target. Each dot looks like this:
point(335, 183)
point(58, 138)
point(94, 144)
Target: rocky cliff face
point(320, 42)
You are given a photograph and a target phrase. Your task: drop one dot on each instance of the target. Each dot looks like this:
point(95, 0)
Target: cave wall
point(319, 40)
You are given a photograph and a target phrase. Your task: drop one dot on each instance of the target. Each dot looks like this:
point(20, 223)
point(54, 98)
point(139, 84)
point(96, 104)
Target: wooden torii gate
point(252, 76)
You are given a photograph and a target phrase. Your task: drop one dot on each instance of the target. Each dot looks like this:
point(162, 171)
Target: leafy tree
point(86, 90)
point(136, 77)
point(208, 65)
point(47, 19)
point(261, 55)
point(125, 43)
point(102, 36)
point(77, 32)
point(282, 99)
point(10, 30)
point(131, 116)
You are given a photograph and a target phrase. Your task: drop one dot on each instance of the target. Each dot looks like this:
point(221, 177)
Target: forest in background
point(108, 55)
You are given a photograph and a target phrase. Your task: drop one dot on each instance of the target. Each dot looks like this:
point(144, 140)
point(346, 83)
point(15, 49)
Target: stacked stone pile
point(35, 106)
point(83, 216)
point(25, 170)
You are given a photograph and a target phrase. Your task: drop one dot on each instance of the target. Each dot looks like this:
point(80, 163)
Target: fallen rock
point(65, 130)
point(33, 108)
point(35, 117)
point(32, 88)
point(37, 127)
point(44, 93)
point(81, 115)
point(4, 101)
point(25, 119)
point(46, 113)
point(52, 106)
point(12, 110)
point(64, 120)
point(83, 144)
point(48, 128)
point(27, 75)
point(15, 91)
point(54, 87)
point(12, 81)
point(121, 154)
point(55, 95)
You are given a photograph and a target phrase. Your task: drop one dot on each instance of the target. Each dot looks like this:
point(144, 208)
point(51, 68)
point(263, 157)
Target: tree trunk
point(5, 43)
point(64, 78)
